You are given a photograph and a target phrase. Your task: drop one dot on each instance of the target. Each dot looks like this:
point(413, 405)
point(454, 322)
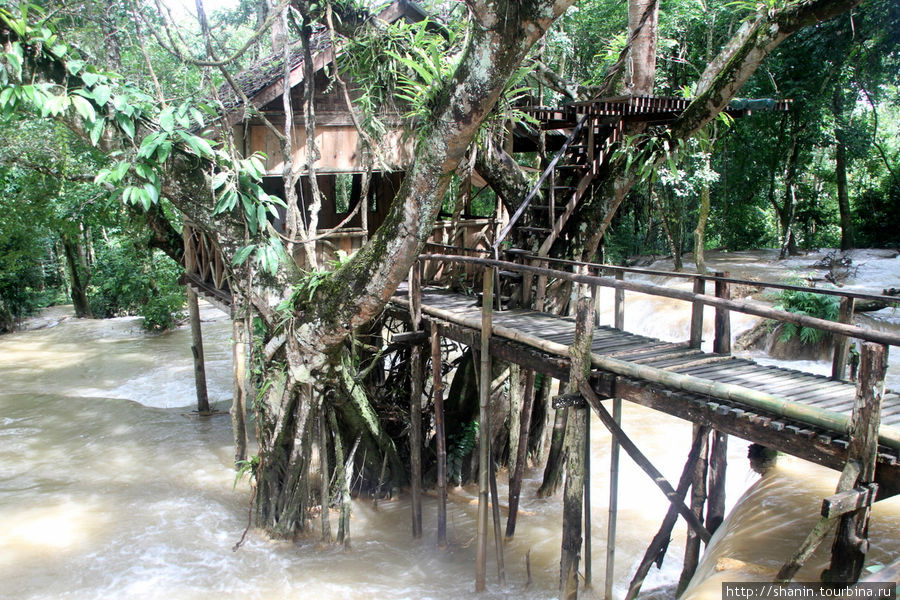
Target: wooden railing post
point(697, 314)
point(842, 342)
point(722, 341)
point(484, 438)
point(619, 319)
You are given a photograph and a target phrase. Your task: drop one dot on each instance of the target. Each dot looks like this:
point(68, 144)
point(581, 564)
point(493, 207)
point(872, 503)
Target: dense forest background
point(824, 174)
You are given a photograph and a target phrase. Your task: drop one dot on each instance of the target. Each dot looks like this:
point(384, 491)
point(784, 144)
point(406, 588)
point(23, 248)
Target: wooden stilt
point(698, 501)
point(484, 429)
point(515, 413)
point(576, 431)
point(656, 551)
point(842, 342)
point(239, 403)
point(588, 563)
point(851, 542)
point(498, 537)
point(515, 484)
point(437, 387)
point(718, 463)
point(415, 401)
point(324, 495)
point(613, 504)
point(197, 351)
point(676, 499)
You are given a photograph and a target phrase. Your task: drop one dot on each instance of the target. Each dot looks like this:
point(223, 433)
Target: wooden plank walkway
point(794, 437)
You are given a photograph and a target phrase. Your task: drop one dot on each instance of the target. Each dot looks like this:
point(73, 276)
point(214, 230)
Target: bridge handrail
point(880, 337)
point(711, 277)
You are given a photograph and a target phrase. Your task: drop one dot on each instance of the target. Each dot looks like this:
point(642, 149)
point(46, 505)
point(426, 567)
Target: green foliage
point(459, 446)
point(128, 280)
point(244, 468)
point(811, 304)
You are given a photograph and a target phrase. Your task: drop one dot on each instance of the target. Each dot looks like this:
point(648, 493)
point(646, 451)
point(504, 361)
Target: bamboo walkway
point(540, 340)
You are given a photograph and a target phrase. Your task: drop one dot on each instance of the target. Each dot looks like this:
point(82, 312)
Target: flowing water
point(111, 487)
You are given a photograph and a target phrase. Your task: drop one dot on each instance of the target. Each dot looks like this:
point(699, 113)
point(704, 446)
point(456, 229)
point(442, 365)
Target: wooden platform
point(795, 437)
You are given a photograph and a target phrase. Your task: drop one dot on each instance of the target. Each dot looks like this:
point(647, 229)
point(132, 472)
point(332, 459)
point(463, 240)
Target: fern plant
point(810, 304)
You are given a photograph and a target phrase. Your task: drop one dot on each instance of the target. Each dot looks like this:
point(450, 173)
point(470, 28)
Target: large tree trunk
point(78, 280)
point(840, 168)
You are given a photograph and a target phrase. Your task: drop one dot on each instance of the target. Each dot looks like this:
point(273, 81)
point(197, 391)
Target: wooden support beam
point(722, 341)
point(495, 512)
point(410, 338)
point(638, 457)
point(718, 463)
point(657, 549)
point(588, 551)
point(698, 501)
point(415, 401)
point(197, 351)
point(862, 496)
point(515, 484)
point(851, 543)
point(437, 392)
point(697, 314)
point(484, 437)
point(613, 504)
point(842, 342)
point(576, 432)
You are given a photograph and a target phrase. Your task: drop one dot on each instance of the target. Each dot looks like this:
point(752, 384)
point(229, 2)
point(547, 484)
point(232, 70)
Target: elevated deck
point(815, 409)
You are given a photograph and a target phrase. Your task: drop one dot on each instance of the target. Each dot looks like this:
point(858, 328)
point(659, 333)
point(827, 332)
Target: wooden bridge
point(813, 417)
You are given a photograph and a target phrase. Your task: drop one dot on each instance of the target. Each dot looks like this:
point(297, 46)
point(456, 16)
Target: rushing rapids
point(110, 486)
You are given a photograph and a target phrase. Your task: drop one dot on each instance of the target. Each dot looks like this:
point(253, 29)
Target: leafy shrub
point(127, 280)
point(810, 304)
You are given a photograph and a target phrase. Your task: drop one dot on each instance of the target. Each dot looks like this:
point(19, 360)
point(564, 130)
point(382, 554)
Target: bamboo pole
point(437, 387)
point(588, 551)
point(415, 401)
point(197, 351)
point(613, 504)
point(484, 437)
point(498, 537)
point(889, 436)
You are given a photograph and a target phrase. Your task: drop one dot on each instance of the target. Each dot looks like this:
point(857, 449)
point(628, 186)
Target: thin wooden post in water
point(437, 391)
point(613, 504)
point(852, 540)
point(484, 438)
point(718, 464)
point(722, 341)
point(498, 537)
point(415, 400)
point(697, 314)
point(698, 500)
point(197, 351)
point(515, 484)
point(588, 563)
point(576, 431)
point(239, 402)
point(842, 342)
